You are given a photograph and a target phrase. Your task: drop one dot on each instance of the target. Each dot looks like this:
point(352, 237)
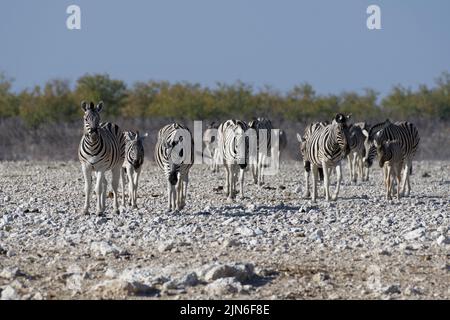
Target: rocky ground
point(271, 245)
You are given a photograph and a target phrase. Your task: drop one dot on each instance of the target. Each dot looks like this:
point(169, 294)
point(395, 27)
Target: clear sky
point(276, 42)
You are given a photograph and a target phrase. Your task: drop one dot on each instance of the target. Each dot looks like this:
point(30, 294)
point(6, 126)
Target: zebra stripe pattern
point(174, 156)
point(325, 149)
point(357, 152)
point(309, 130)
point(263, 128)
point(101, 148)
point(132, 166)
point(210, 141)
point(406, 134)
point(234, 149)
point(391, 160)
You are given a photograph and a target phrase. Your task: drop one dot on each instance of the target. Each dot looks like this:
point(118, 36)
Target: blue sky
point(276, 42)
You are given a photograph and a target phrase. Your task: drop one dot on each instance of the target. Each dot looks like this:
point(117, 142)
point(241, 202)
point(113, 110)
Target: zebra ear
point(365, 133)
point(100, 106)
point(84, 105)
point(145, 135)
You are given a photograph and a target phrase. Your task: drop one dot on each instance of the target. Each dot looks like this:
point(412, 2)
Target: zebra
point(309, 130)
point(325, 149)
point(406, 134)
point(174, 156)
point(357, 152)
point(390, 154)
point(282, 144)
point(210, 141)
point(263, 128)
point(102, 148)
point(234, 149)
point(132, 166)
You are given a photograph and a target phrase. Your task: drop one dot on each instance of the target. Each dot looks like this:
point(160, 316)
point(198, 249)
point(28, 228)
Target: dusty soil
point(272, 244)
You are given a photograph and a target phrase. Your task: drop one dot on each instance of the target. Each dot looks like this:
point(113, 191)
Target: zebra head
point(91, 118)
point(372, 134)
point(134, 147)
point(241, 143)
point(342, 132)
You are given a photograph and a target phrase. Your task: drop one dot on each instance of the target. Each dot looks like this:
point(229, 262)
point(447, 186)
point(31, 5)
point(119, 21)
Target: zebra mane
point(377, 128)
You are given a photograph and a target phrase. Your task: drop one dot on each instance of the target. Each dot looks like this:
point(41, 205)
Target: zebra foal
point(391, 157)
point(132, 165)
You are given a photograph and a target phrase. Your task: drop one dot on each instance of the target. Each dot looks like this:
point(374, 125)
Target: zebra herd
point(240, 147)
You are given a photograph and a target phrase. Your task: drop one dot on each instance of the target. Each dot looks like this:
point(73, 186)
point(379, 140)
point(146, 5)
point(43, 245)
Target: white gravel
point(272, 244)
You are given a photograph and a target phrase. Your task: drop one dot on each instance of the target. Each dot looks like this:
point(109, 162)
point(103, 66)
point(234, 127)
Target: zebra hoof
point(135, 206)
point(230, 200)
point(85, 212)
point(334, 198)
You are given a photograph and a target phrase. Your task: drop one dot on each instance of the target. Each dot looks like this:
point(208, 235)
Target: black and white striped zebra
point(263, 129)
point(101, 148)
point(390, 154)
point(282, 144)
point(309, 130)
point(325, 149)
point(211, 146)
point(357, 152)
point(234, 148)
point(174, 155)
point(132, 166)
point(406, 134)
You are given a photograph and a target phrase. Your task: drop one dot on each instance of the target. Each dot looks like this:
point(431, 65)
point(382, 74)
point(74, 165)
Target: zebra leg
point(185, 186)
point(307, 193)
point(230, 183)
point(388, 182)
point(130, 185)
point(115, 187)
point(169, 196)
point(261, 169)
point(326, 180)
point(314, 170)
point(354, 167)
point(98, 191)
point(405, 178)
point(227, 181)
point(137, 173)
point(179, 194)
point(123, 178)
point(241, 182)
point(350, 169)
point(398, 176)
point(103, 195)
point(338, 183)
point(87, 186)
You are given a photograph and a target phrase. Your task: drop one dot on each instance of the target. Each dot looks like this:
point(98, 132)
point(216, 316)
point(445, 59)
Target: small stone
point(412, 291)
point(245, 231)
point(443, 240)
point(320, 278)
point(74, 282)
point(119, 287)
point(9, 293)
point(165, 246)
point(111, 273)
point(223, 286)
point(11, 253)
point(189, 280)
point(241, 272)
point(103, 248)
point(10, 273)
point(392, 289)
point(414, 234)
point(228, 243)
